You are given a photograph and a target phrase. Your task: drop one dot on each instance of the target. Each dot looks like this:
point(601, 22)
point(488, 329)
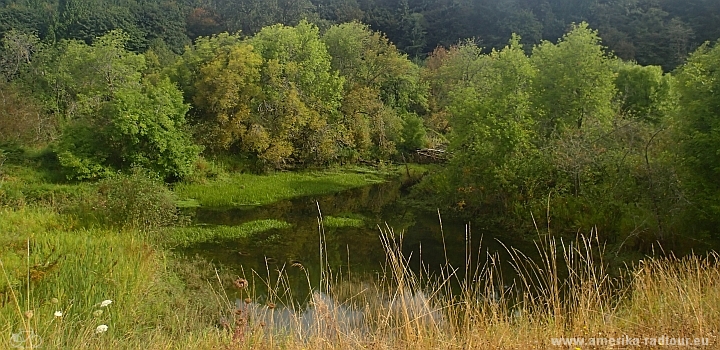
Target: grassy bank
point(229, 190)
point(53, 288)
point(249, 189)
point(59, 270)
point(185, 236)
point(159, 301)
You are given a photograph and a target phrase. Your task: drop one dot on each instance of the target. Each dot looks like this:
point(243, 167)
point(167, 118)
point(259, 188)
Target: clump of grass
point(185, 236)
point(255, 190)
point(135, 200)
point(346, 220)
point(673, 296)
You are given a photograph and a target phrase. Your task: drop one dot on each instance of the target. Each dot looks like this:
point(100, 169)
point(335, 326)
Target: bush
point(135, 200)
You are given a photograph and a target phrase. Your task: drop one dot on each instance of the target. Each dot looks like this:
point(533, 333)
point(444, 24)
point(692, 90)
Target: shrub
point(135, 200)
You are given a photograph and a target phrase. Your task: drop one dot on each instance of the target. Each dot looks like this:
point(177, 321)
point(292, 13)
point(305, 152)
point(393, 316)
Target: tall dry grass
point(563, 289)
point(566, 292)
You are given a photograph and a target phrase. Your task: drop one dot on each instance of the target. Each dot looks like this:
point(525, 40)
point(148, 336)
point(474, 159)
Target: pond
point(352, 246)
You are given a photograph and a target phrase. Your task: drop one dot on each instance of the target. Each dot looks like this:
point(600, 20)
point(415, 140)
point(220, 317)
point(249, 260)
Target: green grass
point(72, 270)
point(25, 180)
point(255, 190)
point(344, 220)
point(185, 236)
point(159, 302)
point(163, 301)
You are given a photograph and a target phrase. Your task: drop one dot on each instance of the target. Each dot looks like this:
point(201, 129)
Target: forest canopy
point(651, 32)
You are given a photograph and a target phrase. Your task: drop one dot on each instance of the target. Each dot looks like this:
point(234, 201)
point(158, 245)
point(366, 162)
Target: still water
point(354, 250)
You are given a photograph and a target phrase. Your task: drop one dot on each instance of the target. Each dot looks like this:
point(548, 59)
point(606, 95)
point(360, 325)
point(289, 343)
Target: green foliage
point(252, 16)
point(270, 97)
point(228, 86)
point(413, 134)
point(650, 32)
point(18, 48)
point(363, 56)
point(300, 93)
point(22, 122)
point(75, 79)
point(493, 130)
point(566, 127)
point(698, 84)
point(129, 201)
point(574, 82)
point(644, 91)
point(113, 117)
point(382, 92)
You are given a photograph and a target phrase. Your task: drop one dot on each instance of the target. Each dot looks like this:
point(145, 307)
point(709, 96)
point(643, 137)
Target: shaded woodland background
point(651, 32)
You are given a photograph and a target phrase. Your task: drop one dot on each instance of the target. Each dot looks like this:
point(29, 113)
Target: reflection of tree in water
point(295, 252)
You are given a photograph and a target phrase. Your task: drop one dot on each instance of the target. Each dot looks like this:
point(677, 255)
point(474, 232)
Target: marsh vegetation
point(311, 185)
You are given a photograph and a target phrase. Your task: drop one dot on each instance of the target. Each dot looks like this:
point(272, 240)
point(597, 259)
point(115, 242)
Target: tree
point(574, 82)
point(300, 93)
point(22, 121)
point(383, 92)
point(493, 131)
point(447, 70)
point(75, 78)
point(250, 16)
point(115, 118)
point(644, 92)
point(699, 119)
point(220, 76)
point(17, 51)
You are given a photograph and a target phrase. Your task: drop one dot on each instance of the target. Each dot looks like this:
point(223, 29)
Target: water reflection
point(325, 317)
point(357, 251)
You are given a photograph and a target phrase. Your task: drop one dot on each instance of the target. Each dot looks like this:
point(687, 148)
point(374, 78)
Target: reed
point(567, 292)
point(56, 289)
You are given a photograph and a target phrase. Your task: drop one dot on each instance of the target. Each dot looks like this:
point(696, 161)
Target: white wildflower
point(58, 313)
point(101, 329)
point(105, 303)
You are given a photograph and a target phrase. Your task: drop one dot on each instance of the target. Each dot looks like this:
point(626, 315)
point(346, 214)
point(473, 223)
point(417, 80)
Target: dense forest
point(651, 32)
point(611, 123)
